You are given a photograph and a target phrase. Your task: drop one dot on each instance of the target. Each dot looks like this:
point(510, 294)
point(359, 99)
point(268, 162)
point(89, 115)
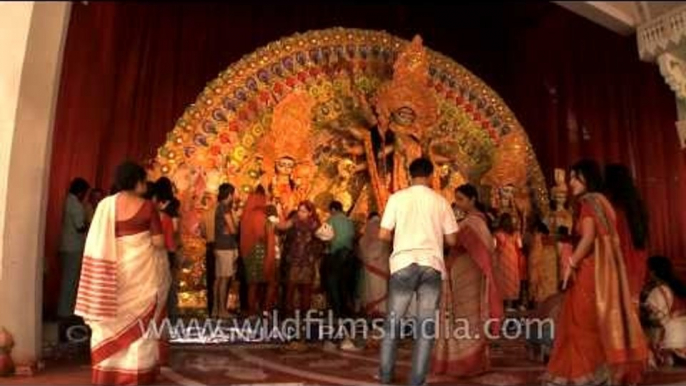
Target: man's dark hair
point(79, 186)
point(225, 190)
point(336, 205)
point(421, 167)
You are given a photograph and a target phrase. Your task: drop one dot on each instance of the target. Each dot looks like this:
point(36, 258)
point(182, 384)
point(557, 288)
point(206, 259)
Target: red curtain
point(130, 69)
point(581, 99)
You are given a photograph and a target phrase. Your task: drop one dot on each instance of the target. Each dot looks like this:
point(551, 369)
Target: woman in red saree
point(632, 225)
point(598, 336)
point(258, 250)
point(469, 294)
point(124, 283)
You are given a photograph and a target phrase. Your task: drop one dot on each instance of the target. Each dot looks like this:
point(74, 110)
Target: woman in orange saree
point(470, 295)
point(124, 284)
point(598, 336)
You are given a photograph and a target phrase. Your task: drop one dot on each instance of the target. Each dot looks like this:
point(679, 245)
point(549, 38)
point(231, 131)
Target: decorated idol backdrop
point(340, 114)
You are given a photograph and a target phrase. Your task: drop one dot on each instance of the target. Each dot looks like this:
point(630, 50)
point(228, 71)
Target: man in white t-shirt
point(421, 220)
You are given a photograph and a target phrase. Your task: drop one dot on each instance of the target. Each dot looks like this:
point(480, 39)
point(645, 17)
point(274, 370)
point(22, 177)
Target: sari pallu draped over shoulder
point(476, 239)
point(620, 328)
point(96, 298)
point(469, 295)
point(598, 336)
point(122, 292)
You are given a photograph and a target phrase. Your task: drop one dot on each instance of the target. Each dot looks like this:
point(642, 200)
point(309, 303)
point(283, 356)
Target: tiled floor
point(197, 365)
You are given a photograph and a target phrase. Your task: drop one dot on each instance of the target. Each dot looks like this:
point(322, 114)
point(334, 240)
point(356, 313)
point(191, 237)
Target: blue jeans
point(426, 283)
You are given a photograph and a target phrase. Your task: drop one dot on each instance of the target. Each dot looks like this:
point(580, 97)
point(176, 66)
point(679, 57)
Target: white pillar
point(15, 19)
point(32, 38)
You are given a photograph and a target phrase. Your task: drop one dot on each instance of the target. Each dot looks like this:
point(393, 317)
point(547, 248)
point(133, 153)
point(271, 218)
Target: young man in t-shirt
point(225, 248)
point(418, 220)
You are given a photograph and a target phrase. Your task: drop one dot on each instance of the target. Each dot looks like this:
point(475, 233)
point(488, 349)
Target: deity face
point(444, 171)
point(285, 166)
point(506, 194)
point(345, 168)
point(404, 116)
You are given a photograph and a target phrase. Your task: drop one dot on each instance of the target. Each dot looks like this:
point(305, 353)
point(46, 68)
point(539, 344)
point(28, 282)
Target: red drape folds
point(130, 69)
point(576, 100)
point(254, 230)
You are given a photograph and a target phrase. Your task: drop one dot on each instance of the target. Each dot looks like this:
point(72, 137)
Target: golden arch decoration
point(337, 113)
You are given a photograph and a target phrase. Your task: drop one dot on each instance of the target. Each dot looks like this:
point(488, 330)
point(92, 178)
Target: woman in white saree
point(665, 310)
point(124, 284)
